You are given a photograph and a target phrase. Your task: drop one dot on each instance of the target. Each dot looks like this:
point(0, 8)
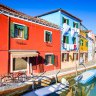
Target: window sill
point(50, 65)
point(23, 70)
point(20, 38)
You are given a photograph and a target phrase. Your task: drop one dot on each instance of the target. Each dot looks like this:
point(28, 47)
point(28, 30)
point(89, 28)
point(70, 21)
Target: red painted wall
point(36, 42)
point(4, 44)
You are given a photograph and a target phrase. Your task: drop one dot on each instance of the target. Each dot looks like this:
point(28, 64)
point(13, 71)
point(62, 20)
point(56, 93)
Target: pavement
point(66, 71)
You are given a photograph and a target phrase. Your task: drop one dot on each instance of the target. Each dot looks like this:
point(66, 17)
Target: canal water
point(81, 90)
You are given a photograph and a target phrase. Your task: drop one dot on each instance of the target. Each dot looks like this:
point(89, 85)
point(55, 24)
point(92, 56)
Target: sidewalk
point(67, 71)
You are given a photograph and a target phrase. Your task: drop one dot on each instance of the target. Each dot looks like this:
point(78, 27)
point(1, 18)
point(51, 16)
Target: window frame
point(65, 20)
point(74, 56)
point(66, 40)
point(49, 54)
point(75, 25)
point(23, 37)
point(45, 36)
point(22, 70)
point(66, 59)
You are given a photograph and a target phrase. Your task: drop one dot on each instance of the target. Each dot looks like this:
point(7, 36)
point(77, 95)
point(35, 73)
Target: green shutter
point(68, 21)
point(50, 37)
point(52, 59)
point(12, 30)
point(77, 25)
point(73, 24)
point(25, 32)
point(62, 20)
point(67, 39)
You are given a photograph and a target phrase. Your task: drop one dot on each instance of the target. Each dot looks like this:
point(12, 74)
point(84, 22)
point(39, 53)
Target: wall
point(53, 17)
point(4, 44)
point(36, 42)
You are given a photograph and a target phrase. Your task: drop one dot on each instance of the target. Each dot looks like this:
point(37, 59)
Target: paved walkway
point(66, 71)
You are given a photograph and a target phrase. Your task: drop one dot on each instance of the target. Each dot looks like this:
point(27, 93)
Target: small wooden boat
point(86, 76)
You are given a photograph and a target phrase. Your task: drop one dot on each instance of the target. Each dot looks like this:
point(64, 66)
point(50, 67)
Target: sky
point(83, 9)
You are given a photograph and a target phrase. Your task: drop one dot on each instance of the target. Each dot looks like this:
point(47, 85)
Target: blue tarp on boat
point(87, 76)
point(47, 90)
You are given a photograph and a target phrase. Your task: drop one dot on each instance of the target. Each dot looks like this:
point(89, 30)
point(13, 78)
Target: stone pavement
point(66, 71)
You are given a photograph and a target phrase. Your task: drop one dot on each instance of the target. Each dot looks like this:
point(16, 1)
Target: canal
point(88, 89)
point(81, 90)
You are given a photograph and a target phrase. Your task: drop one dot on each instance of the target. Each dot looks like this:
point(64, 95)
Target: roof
point(9, 11)
point(61, 11)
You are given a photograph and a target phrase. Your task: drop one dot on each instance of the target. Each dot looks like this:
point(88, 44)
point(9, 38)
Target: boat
point(86, 76)
point(46, 91)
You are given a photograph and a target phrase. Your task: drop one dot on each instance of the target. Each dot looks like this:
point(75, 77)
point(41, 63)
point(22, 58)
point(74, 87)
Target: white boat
point(86, 76)
point(49, 89)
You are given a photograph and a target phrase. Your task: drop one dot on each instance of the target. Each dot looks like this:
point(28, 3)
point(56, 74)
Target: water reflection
point(82, 90)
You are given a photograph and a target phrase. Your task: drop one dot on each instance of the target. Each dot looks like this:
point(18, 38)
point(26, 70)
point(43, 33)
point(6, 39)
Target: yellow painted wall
point(83, 47)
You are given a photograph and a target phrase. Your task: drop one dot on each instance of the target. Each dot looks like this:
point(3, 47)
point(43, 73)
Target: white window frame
point(23, 70)
point(23, 33)
point(45, 34)
point(49, 54)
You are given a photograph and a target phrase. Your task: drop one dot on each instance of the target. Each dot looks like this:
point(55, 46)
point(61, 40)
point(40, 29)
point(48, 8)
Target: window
point(75, 56)
point(19, 31)
point(19, 64)
point(74, 40)
point(81, 42)
point(48, 36)
point(65, 57)
point(49, 59)
point(75, 25)
point(66, 39)
point(64, 20)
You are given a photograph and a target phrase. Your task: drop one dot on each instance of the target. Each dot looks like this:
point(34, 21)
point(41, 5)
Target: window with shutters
point(66, 39)
point(65, 57)
point(48, 36)
point(64, 20)
point(81, 42)
point(75, 25)
point(19, 31)
point(49, 59)
point(75, 56)
point(74, 40)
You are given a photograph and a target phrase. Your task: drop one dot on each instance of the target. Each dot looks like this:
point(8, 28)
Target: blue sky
point(83, 9)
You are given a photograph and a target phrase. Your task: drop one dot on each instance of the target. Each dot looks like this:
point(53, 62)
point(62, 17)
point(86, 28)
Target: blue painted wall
point(56, 18)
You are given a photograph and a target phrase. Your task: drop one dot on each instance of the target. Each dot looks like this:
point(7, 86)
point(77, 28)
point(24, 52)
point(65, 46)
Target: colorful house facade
point(83, 43)
point(70, 29)
point(27, 43)
point(91, 46)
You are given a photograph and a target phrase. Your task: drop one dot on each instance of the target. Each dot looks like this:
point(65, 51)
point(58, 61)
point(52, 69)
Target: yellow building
point(83, 45)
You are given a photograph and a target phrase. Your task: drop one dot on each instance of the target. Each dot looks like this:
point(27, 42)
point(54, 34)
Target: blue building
point(70, 28)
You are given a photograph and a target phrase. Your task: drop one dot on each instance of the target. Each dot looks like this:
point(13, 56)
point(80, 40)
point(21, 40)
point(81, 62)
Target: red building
point(27, 44)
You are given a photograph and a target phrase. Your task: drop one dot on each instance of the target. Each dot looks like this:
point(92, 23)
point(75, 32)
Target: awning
point(23, 54)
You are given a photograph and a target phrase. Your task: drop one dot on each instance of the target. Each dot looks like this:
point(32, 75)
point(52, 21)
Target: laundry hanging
point(65, 28)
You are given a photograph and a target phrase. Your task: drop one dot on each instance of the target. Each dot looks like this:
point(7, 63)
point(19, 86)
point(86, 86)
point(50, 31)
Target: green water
point(82, 90)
